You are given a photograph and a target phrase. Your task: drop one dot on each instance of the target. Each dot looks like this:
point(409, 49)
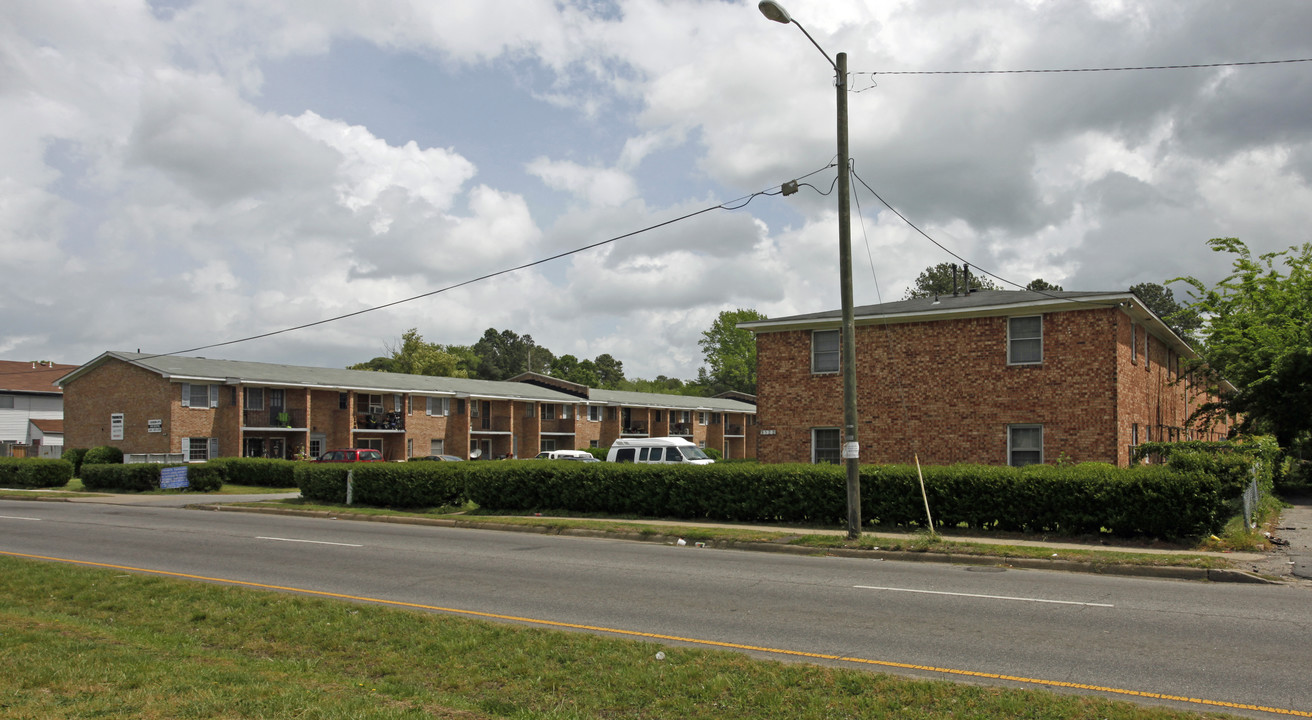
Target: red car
point(352, 455)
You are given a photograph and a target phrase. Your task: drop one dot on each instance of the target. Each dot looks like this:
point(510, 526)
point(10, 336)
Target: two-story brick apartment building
point(990, 377)
point(173, 407)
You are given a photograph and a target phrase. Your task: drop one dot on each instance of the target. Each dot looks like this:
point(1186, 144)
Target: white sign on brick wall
point(116, 426)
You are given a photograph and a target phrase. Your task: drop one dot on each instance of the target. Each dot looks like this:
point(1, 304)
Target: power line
point(1084, 70)
point(735, 204)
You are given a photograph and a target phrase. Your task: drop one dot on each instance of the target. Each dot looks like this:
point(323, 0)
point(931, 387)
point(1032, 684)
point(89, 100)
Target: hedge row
point(1089, 498)
point(261, 472)
point(140, 477)
point(34, 472)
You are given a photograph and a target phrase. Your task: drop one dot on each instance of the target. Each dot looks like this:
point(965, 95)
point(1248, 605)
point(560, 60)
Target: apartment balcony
point(273, 418)
point(558, 427)
point(635, 428)
point(734, 431)
point(500, 424)
point(380, 421)
point(681, 429)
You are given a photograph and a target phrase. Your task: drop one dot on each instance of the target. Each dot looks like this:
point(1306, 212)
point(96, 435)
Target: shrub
point(103, 455)
point(261, 472)
point(75, 456)
point(140, 477)
point(34, 472)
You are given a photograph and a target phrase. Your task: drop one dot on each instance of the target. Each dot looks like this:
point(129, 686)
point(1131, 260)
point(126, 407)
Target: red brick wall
point(944, 390)
point(117, 387)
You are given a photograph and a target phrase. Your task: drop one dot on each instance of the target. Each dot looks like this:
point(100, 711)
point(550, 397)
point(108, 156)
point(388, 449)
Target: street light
point(851, 452)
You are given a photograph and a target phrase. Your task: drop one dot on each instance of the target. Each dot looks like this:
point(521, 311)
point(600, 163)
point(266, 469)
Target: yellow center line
point(693, 641)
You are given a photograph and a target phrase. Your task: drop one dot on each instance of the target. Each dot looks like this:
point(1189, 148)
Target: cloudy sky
point(177, 174)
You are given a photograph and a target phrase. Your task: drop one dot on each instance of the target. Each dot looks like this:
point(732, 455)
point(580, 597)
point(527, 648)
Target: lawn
point(86, 642)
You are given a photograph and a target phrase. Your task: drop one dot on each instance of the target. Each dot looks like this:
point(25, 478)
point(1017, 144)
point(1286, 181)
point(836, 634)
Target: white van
point(660, 450)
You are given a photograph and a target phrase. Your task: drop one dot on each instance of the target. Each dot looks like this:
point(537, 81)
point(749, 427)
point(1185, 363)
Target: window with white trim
point(566, 412)
point(199, 449)
point(825, 351)
point(594, 413)
point(1025, 340)
point(200, 396)
point(440, 407)
point(826, 446)
point(1134, 343)
point(437, 446)
point(701, 418)
point(1024, 445)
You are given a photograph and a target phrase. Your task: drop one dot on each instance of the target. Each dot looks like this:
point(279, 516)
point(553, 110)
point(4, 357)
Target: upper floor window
point(548, 411)
point(1134, 343)
point(6, 401)
point(1025, 340)
point(594, 413)
point(437, 406)
point(824, 351)
point(200, 396)
point(254, 398)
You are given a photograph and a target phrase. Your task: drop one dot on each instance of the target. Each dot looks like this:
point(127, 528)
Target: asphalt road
point(1232, 644)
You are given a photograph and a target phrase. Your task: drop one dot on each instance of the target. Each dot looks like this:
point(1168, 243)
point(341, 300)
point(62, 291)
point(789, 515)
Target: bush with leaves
point(75, 456)
point(103, 455)
point(143, 477)
point(34, 472)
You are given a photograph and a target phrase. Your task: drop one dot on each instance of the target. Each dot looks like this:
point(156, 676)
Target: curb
point(1152, 571)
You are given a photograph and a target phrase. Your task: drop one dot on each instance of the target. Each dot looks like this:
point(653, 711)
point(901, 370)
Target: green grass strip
point(82, 642)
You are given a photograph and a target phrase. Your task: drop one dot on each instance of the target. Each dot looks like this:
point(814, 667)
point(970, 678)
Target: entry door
point(276, 448)
point(486, 415)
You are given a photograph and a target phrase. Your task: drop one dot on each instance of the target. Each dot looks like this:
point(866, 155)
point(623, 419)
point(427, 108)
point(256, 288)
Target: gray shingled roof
point(981, 302)
point(176, 367)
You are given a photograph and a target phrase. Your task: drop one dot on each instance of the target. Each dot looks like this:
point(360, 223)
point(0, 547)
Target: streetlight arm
point(776, 12)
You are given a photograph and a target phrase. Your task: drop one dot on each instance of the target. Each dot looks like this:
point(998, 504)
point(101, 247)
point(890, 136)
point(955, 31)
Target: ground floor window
point(1024, 445)
point(547, 445)
point(437, 446)
point(370, 443)
point(594, 443)
point(199, 449)
point(825, 446)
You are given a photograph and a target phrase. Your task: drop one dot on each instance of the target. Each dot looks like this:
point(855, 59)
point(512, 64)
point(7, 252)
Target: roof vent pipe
point(954, 279)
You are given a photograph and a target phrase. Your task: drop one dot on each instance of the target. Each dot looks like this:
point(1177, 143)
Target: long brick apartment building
point(172, 407)
point(989, 377)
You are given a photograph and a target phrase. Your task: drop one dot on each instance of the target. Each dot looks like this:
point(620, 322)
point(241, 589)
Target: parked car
point(440, 458)
point(661, 450)
point(351, 455)
point(576, 455)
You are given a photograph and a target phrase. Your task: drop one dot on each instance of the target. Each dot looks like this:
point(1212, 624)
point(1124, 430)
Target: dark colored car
point(351, 455)
point(444, 458)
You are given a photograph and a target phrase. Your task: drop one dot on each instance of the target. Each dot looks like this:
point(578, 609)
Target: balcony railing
point(379, 421)
point(635, 428)
point(558, 426)
point(274, 418)
point(681, 429)
point(733, 430)
point(497, 424)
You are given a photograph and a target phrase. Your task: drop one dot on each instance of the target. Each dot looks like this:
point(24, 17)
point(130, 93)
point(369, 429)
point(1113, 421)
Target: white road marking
point(15, 517)
point(986, 597)
point(313, 542)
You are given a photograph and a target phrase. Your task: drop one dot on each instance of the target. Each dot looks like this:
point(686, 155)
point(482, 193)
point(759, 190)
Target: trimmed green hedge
point(1090, 498)
point(75, 456)
point(140, 477)
point(260, 472)
point(34, 472)
point(102, 455)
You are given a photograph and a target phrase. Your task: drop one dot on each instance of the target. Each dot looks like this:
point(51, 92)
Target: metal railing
point(274, 418)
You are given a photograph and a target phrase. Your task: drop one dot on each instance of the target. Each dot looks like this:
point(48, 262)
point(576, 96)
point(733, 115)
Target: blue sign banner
point(172, 478)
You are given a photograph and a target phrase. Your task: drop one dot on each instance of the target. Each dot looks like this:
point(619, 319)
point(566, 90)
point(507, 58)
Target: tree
point(413, 356)
point(1183, 321)
point(568, 367)
point(1258, 336)
point(730, 352)
point(938, 280)
point(610, 372)
point(503, 355)
point(1041, 285)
